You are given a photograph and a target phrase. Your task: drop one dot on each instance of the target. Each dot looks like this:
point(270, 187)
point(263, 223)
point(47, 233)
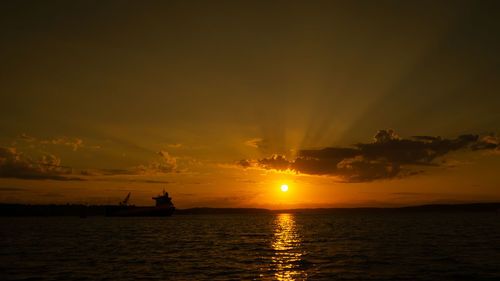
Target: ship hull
point(129, 211)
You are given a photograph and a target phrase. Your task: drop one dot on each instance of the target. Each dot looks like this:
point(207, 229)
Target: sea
point(281, 246)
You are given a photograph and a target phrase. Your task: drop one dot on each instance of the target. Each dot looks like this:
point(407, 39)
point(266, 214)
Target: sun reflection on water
point(286, 244)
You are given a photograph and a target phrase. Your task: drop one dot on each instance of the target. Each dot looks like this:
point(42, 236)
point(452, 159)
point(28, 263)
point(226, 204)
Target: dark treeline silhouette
point(21, 210)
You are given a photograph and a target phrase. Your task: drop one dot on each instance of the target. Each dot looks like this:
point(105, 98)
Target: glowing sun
point(284, 188)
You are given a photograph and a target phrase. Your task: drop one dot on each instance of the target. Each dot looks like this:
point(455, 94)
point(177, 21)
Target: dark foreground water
point(358, 246)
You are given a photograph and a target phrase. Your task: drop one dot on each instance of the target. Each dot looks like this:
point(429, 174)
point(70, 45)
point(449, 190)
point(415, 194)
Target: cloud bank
point(21, 164)
point(14, 164)
point(387, 156)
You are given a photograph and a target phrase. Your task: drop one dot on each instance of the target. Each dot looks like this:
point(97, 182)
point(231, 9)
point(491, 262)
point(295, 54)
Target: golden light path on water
point(286, 244)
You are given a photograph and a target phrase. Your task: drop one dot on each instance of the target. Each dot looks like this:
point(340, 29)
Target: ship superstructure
point(163, 200)
point(164, 207)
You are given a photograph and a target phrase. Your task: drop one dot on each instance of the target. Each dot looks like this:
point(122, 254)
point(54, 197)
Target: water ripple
point(359, 246)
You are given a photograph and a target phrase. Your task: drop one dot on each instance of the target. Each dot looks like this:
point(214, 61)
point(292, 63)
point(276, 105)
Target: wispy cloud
point(174, 145)
point(163, 164)
point(73, 142)
point(254, 142)
point(26, 138)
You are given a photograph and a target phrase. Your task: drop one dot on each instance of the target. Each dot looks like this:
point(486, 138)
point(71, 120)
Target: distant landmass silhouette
point(22, 210)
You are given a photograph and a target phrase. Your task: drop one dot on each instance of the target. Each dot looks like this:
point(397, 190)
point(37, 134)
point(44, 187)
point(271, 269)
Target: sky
point(349, 103)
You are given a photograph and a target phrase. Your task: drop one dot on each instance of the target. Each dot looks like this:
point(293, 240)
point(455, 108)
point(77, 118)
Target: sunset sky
point(220, 103)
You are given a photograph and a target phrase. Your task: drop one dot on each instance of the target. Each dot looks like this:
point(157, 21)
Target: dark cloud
point(113, 179)
point(387, 135)
point(152, 181)
point(110, 172)
point(14, 164)
point(244, 163)
point(388, 156)
point(277, 162)
point(11, 189)
point(419, 151)
point(117, 172)
point(490, 142)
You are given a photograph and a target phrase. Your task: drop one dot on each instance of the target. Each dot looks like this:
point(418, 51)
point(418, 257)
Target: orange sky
point(222, 102)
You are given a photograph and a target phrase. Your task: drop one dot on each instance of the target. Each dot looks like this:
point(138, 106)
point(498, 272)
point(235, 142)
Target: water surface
point(344, 246)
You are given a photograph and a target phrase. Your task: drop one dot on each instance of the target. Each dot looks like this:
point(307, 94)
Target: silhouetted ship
point(164, 207)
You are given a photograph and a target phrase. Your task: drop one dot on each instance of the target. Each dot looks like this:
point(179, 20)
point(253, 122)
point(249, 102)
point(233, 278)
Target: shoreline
point(25, 210)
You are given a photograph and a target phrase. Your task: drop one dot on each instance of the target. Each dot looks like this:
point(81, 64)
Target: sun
point(284, 188)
